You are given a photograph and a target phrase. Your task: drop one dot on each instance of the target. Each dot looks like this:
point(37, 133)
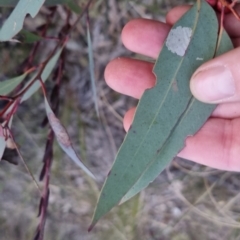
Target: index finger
point(146, 37)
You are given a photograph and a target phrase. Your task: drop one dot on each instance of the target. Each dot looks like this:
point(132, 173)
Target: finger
point(231, 23)
point(227, 111)
point(145, 36)
point(218, 80)
point(130, 76)
point(128, 118)
point(176, 13)
point(216, 144)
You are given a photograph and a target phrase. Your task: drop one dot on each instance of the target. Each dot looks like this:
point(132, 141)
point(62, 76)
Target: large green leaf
point(196, 110)
point(14, 23)
point(160, 127)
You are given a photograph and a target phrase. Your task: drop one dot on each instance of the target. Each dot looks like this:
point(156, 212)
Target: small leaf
point(28, 37)
point(3, 142)
point(13, 3)
point(9, 85)
point(55, 2)
point(45, 74)
point(161, 122)
point(73, 6)
point(63, 138)
point(14, 23)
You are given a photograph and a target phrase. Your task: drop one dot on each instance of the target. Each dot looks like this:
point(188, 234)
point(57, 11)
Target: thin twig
point(24, 163)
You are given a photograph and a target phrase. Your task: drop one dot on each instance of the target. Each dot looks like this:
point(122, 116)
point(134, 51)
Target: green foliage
point(73, 6)
point(8, 85)
point(166, 114)
point(45, 75)
point(197, 113)
point(14, 23)
point(28, 37)
point(13, 3)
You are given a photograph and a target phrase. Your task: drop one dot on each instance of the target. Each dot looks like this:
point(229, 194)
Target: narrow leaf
point(63, 138)
point(13, 3)
point(91, 69)
point(3, 142)
point(73, 6)
point(28, 37)
point(162, 110)
point(14, 23)
point(6, 141)
point(45, 74)
point(196, 110)
point(55, 2)
point(9, 85)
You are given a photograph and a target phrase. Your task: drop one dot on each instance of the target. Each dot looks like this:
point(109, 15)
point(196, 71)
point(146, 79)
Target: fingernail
point(213, 84)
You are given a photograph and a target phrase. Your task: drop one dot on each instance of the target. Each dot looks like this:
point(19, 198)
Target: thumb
point(218, 80)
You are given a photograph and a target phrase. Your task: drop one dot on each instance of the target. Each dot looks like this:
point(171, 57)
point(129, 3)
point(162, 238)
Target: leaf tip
point(109, 173)
point(91, 175)
point(92, 226)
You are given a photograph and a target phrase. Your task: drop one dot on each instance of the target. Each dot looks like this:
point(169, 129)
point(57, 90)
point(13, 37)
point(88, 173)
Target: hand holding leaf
point(154, 140)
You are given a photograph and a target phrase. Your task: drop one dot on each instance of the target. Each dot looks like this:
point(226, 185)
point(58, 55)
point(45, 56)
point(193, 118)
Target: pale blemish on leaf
point(178, 40)
point(59, 130)
point(175, 86)
point(199, 59)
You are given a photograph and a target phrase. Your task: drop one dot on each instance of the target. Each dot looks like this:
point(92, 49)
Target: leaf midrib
point(163, 101)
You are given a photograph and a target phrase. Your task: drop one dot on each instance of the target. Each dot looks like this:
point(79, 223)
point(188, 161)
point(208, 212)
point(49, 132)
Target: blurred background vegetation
point(187, 201)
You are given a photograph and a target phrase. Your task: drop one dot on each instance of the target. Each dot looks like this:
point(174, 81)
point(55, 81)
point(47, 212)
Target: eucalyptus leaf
point(14, 23)
point(161, 123)
point(3, 142)
point(73, 6)
point(29, 37)
point(63, 138)
point(196, 110)
point(45, 74)
point(9, 85)
point(13, 3)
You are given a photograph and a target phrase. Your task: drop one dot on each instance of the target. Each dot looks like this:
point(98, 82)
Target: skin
point(217, 143)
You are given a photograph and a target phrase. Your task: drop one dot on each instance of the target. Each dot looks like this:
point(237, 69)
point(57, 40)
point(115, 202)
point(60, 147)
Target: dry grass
point(187, 201)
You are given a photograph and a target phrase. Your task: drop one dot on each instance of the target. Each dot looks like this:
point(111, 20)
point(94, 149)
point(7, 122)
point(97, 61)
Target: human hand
point(217, 143)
